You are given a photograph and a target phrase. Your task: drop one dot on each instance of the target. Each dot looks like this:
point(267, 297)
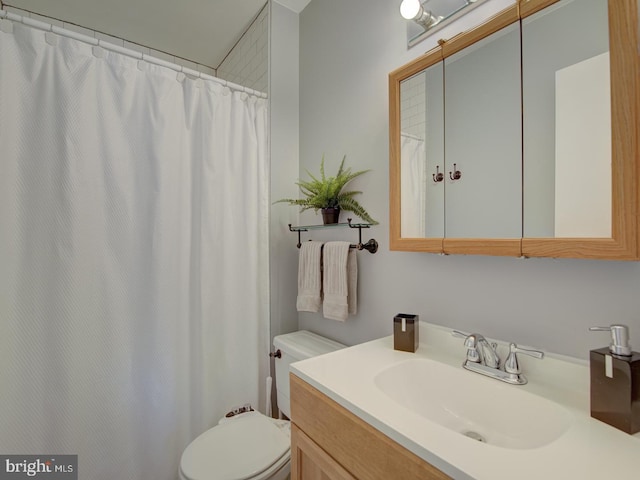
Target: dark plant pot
point(330, 215)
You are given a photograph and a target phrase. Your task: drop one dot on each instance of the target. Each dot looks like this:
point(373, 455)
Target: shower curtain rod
point(124, 51)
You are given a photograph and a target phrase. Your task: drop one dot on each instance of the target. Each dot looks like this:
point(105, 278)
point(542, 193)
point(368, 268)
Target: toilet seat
point(249, 446)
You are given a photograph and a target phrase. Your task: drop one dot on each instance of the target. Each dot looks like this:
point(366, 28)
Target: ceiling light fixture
point(414, 10)
point(429, 16)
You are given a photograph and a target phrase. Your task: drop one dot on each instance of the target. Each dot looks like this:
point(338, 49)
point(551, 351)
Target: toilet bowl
point(247, 446)
point(252, 446)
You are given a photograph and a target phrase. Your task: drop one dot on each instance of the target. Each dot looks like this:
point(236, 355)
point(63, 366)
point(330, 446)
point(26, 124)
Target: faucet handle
point(458, 333)
point(469, 342)
point(511, 364)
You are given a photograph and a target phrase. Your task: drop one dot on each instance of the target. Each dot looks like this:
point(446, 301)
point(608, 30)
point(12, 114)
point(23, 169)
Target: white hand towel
point(309, 277)
point(339, 301)
point(352, 281)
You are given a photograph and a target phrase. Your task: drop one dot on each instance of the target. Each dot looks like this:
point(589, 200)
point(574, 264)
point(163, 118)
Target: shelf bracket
point(298, 229)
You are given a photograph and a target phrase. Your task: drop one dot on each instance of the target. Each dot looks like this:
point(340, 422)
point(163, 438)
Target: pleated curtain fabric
point(133, 246)
point(414, 186)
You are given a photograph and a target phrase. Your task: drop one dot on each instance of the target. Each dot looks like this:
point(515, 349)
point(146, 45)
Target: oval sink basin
point(480, 408)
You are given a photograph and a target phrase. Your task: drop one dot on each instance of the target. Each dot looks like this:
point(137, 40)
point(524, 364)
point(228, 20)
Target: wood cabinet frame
point(624, 243)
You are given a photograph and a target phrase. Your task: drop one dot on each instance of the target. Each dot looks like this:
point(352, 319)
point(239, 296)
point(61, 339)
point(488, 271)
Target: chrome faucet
point(480, 351)
point(482, 357)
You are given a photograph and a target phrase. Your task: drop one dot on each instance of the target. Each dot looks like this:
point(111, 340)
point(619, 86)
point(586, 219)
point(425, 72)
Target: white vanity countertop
point(589, 449)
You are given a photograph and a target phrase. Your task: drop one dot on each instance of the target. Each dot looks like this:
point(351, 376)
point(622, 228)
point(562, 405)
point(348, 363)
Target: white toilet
point(252, 446)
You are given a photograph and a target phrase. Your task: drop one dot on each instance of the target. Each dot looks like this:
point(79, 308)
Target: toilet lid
point(235, 450)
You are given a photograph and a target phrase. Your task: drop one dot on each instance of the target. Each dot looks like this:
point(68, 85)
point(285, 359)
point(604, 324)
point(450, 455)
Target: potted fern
point(328, 195)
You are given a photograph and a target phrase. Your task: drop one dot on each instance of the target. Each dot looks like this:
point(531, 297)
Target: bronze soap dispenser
point(615, 381)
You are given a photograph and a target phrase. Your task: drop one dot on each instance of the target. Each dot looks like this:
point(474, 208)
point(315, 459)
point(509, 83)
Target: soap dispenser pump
point(615, 381)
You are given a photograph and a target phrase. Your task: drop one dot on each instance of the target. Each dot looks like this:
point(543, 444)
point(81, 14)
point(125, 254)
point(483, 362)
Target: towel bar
point(371, 246)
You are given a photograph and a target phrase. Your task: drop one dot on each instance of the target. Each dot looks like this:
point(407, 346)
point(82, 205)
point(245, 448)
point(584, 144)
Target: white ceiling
point(295, 5)
point(203, 31)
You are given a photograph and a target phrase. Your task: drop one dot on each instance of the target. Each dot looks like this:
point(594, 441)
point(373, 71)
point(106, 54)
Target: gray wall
point(284, 108)
point(347, 49)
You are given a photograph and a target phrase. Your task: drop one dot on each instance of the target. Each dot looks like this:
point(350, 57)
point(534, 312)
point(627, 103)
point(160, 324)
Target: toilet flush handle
point(276, 354)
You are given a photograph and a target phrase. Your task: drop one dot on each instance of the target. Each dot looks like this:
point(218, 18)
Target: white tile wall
point(412, 99)
point(246, 64)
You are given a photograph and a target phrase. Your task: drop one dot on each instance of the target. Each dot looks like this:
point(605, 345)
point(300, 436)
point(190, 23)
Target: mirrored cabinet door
point(541, 129)
point(586, 223)
point(567, 121)
point(422, 154)
point(416, 155)
point(483, 146)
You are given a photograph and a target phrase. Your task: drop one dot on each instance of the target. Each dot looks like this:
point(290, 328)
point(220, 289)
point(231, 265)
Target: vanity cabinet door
point(310, 462)
point(330, 442)
point(483, 138)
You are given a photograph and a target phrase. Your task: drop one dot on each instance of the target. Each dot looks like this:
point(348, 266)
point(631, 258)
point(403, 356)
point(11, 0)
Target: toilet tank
point(294, 347)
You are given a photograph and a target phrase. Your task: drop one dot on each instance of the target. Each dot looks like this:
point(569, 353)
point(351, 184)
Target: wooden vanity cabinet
point(330, 443)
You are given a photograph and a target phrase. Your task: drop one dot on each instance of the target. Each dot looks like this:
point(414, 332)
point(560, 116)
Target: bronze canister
point(405, 332)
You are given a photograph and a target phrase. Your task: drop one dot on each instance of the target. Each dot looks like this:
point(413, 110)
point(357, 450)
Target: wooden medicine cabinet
point(520, 136)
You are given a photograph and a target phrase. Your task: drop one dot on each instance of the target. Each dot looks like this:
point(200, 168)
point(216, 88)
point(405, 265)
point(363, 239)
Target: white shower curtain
point(414, 186)
point(133, 255)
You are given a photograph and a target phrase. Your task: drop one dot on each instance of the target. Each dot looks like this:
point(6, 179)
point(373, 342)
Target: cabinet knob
point(456, 174)
point(438, 176)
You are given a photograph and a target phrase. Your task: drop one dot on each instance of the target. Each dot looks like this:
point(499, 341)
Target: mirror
point(483, 138)
point(575, 138)
point(567, 121)
point(422, 153)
